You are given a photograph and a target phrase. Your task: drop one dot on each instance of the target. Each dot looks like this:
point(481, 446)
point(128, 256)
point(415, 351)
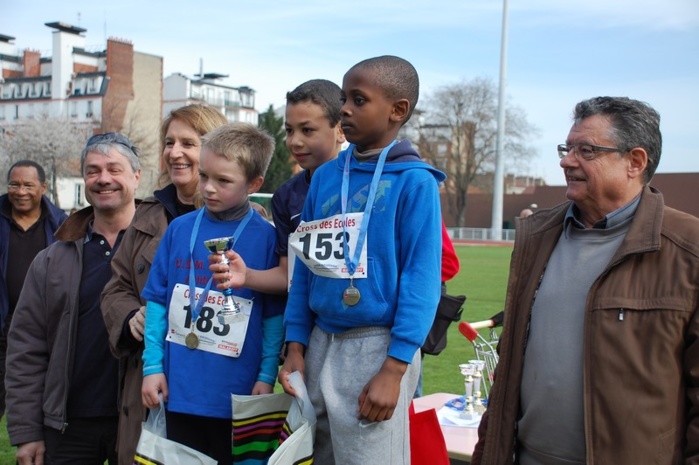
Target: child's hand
point(152, 385)
point(261, 387)
point(232, 275)
point(294, 362)
point(379, 397)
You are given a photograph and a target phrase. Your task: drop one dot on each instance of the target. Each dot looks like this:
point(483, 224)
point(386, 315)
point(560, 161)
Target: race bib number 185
point(213, 336)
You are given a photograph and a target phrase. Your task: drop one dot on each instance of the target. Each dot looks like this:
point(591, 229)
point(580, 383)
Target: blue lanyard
point(196, 308)
point(373, 187)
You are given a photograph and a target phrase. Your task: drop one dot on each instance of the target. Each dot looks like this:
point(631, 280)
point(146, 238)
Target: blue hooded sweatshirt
point(404, 247)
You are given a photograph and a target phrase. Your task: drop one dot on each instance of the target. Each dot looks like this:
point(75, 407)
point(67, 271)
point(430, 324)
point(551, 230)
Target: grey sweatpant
point(337, 367)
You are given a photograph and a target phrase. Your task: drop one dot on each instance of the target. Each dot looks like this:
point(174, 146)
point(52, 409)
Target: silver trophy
point(231, 309)
point(469, 370)
point(477, 378)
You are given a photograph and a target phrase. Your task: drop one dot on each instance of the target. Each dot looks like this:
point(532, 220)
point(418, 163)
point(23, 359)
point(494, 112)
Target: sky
point(558, 52)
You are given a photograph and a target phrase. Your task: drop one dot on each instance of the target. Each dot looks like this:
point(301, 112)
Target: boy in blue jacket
point(192, 357)
point(362, 306)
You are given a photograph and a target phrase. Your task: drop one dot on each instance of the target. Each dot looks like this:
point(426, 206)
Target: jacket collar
point(167, 196)
point(644, 233)
point(77, 226)
point(54, 215)
point(646, 227)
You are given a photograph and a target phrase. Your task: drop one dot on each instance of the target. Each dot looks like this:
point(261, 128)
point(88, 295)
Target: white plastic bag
point(155, 449)
point(299, 428)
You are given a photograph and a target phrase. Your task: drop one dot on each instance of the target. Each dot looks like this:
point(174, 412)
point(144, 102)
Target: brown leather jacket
point(120, 298)
point(641, 370)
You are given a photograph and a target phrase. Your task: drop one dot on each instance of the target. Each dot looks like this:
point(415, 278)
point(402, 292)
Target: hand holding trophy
point(231, 308)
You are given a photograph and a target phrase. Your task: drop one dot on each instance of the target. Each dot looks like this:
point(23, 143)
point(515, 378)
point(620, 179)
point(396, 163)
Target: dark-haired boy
point(359, 311)
point(313, 137)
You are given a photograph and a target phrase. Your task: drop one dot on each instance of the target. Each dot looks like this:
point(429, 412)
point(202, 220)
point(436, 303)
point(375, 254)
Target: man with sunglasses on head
point(599, 356)
point(61, 377)
point(27, 223)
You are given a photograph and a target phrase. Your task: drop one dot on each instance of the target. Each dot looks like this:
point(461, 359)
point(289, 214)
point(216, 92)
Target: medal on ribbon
point(351, 295)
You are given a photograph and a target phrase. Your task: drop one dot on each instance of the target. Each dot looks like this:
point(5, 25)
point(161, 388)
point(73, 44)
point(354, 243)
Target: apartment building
point(103, 88)
point(236, 103)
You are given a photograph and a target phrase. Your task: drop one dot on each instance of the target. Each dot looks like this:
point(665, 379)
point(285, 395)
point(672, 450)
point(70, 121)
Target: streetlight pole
point(498, 179)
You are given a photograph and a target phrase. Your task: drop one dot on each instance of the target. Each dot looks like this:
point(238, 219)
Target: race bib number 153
point(320, 245)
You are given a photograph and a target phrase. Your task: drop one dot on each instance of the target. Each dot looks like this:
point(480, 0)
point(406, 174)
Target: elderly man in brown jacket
point(599, 355)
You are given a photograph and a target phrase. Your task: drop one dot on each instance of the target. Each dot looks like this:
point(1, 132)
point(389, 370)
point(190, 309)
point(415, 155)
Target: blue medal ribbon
point(352, 263)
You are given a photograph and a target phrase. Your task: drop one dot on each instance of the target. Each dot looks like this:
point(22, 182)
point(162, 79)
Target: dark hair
point(396, 76)
point(29, 164)
point(322, 92)
point(634, 124)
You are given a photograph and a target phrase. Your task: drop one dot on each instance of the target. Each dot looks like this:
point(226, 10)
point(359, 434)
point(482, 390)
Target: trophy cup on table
point(231, 309)
point(469, 370)
point(477, 379)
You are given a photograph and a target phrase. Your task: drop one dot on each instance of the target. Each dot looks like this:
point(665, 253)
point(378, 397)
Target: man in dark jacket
point(27, 223)
point(61, 377)
point(599, 354)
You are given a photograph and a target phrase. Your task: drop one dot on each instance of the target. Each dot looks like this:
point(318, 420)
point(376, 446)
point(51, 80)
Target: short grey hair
point(634, 124)
point(123, 146)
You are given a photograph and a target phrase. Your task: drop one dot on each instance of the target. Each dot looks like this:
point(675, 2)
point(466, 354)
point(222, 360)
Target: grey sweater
point(551, 428)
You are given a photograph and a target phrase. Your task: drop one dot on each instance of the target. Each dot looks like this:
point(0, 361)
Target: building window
point(78, 195)
point(89, 109)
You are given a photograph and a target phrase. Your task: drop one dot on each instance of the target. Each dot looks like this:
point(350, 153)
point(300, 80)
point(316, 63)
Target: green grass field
point(7, 453)
point(483, 279)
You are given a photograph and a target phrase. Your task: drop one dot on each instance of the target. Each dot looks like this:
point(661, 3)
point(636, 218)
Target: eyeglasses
point(111, 138)
point(584, 151)
point(30, 188)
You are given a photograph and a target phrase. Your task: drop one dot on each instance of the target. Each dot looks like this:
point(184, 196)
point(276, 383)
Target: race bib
point(319, 244)
point(213, 336)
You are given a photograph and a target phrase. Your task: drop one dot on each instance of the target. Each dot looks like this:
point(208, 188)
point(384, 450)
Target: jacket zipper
point(621, 314)
point(71, 335)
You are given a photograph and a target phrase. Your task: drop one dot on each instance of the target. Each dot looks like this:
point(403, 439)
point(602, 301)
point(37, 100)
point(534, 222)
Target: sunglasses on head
point(112, 138)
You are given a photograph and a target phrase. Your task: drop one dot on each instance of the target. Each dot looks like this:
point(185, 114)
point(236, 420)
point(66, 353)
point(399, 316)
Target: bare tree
point(54, 143)
point(143, 132)
point(456, 131)
point(132, 120)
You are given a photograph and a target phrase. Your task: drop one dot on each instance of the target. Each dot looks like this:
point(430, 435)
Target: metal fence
point(480, 234)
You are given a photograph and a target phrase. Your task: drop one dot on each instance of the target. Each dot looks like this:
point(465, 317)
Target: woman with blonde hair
point(122, 306)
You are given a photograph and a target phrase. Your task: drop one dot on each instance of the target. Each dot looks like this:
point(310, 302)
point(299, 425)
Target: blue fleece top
point(404, 246)
point(53, 218)
point(200, 383)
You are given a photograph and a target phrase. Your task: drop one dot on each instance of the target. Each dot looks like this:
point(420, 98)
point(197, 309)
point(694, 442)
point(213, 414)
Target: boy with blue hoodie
point(362, 306)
